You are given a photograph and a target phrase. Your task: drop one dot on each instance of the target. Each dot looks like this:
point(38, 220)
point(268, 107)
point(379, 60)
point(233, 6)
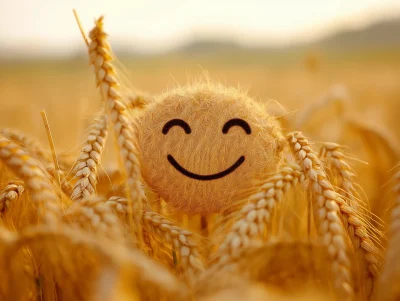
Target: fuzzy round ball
point(197, 151)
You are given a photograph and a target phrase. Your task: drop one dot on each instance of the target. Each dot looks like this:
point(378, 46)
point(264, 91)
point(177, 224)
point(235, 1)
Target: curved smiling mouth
point(215, 176)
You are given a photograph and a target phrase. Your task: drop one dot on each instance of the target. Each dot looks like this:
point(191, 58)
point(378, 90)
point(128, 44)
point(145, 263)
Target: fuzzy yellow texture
point(205, 107)
point(101, 58)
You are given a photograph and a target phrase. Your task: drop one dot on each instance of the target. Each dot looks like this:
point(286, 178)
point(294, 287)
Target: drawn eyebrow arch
point(176, 122)
point(236, 122)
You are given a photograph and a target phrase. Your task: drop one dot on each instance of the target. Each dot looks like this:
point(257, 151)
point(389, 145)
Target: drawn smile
point(215, 176)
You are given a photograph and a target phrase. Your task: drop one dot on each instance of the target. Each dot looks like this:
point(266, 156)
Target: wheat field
point(79, 222)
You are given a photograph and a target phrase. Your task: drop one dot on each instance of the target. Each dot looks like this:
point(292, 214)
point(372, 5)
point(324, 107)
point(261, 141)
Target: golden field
point(67, 255)
point(371, 77)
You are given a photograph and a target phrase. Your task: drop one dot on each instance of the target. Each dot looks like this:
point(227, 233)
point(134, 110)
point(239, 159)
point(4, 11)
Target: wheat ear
point(97, 213)
point(326, 203)
point(101, 58)
point(276, 261)
point(280, 263)
point(11, 193)
point(389, 289)
point(31, 145)
point(181, 240)
point(148, 273)
point(89, 158)
point(357, 228)
point(101, 214)
point(256, 214)
point(43, 192)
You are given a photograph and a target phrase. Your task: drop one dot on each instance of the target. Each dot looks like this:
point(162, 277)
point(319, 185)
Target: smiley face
point(202, 144)
point(179, 122)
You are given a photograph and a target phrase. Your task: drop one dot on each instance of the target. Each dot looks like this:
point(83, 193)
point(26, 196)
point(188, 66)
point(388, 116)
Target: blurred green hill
point(381, 34)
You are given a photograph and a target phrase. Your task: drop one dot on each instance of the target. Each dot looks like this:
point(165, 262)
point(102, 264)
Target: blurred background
point(312, 61)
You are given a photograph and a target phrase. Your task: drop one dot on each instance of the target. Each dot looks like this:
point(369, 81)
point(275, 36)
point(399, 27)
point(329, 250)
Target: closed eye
point(176, 122)
point(236, 122)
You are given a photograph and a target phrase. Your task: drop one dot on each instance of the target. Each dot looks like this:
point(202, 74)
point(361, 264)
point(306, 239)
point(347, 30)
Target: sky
point(48, 26)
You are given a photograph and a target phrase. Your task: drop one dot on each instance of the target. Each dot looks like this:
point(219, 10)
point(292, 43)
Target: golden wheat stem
point(204, 226)
point(52, 147)
point(43, 192)
point(327, 213)
point(86, 166)
point(78, 21)
point(101, 58)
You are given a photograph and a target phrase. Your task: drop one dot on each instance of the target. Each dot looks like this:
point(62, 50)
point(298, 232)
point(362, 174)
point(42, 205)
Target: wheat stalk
point(389, 289)
point(357, 228)
point(89, 158)
point(43, 192)
point(11, 193)
point(327, 213)
point(256, 214)
point(101, 58)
